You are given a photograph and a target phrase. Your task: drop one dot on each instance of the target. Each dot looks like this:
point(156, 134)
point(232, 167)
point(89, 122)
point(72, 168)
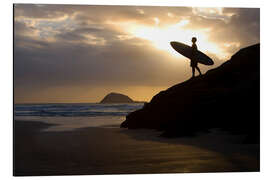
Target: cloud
point(212, 13)
point(88, 48)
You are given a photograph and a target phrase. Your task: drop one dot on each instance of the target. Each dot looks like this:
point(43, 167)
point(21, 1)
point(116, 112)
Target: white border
point(7, 88)
point(204, 3)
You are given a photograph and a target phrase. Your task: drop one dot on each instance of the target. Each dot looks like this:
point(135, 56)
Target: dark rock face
point(226, 97)
point(116, 98)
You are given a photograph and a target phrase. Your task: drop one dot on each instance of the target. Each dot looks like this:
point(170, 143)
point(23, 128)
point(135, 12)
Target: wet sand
point(120, 151)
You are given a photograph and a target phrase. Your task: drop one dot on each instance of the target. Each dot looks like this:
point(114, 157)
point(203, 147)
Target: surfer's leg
point(198, 70)
point(193, 71)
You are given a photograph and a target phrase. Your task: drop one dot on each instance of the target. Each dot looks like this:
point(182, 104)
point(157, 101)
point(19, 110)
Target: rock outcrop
point(226, 97)
point(116, 98)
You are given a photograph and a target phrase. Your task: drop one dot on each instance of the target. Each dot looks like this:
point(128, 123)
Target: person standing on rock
point(194, 62)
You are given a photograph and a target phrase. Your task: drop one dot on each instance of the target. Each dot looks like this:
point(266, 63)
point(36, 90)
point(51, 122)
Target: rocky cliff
point(226, 97)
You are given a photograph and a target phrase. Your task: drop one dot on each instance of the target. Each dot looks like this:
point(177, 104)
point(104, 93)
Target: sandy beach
point(121, 151)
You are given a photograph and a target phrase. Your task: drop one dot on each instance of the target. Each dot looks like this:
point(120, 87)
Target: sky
point(79, 53)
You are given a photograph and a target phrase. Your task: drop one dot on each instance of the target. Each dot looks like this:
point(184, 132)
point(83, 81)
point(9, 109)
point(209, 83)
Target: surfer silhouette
point(194, 62)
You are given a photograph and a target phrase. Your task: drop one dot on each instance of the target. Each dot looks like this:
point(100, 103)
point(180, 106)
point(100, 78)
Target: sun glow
point(161, 37)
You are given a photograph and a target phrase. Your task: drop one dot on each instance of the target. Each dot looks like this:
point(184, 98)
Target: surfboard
point(186, 51)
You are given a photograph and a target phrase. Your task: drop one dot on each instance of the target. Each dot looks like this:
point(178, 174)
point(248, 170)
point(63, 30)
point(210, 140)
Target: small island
point(116, 98)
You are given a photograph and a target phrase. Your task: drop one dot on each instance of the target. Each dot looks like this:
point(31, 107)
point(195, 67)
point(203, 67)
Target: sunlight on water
point(72, 123)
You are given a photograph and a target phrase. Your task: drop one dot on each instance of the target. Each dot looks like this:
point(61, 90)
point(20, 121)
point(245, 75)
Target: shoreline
point(97, 151)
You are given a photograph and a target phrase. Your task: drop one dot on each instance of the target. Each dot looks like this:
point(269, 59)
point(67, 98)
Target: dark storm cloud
point(78, 46)
point(41, 11)
point(63, 63)
point(69, 63)
point(243, 26)
point(246, 23)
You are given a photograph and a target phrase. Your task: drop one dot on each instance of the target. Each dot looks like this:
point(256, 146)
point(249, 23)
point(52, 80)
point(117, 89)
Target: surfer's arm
point(194, 49)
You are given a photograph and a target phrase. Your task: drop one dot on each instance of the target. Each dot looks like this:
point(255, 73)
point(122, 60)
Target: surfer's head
point(194, 39)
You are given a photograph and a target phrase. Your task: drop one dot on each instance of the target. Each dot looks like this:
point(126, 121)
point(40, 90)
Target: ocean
point(70, 116)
